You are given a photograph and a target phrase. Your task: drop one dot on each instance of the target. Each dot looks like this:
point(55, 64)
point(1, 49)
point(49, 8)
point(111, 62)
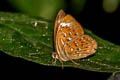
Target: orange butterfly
point(69, 39)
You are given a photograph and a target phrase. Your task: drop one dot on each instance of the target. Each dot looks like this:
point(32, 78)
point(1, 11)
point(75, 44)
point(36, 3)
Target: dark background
point(93, 17)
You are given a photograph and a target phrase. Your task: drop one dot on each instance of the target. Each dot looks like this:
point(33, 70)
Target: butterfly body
point(70, 40)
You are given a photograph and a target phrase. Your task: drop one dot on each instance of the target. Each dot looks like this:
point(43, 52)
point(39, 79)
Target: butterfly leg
point(74, 62)
point(61, 63)
point(54, 62)
point(70, 58)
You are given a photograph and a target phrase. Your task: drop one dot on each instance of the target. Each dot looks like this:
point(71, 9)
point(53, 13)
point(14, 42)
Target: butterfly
point(70, 41)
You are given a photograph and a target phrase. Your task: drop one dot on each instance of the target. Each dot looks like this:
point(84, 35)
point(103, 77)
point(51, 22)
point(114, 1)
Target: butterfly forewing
point(59, 17)
point(67, 30)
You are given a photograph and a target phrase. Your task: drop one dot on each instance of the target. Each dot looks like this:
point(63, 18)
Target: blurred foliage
point(110, 5)
point(49, 8)
point(77, 6)
point(44, 8)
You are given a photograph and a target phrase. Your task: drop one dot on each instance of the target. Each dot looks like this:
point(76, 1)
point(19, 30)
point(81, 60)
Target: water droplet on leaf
point(21, 46)
point(46, 27)
point(37, 50)
point(43, 35)
point(48, 38)
point(3, 39)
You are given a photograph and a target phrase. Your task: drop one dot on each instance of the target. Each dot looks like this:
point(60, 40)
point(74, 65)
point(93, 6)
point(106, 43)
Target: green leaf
point(32, 39)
